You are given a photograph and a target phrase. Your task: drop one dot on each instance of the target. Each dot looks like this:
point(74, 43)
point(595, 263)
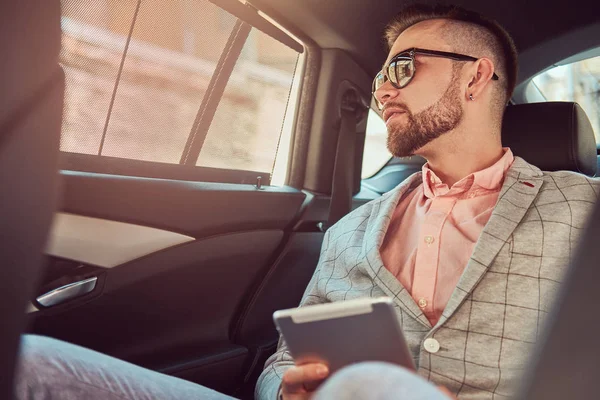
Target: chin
point(399, 153)
point(406, 151)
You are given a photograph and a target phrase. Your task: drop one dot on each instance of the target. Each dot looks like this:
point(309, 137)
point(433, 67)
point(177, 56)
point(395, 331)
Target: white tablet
point(346, 332)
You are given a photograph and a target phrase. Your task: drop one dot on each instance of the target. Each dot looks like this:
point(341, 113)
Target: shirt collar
point(489, 178)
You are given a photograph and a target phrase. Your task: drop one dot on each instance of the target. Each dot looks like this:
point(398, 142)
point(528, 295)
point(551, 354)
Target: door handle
point(67, 292)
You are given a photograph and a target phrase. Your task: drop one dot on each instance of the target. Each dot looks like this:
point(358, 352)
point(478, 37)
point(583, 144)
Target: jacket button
point(431, 345)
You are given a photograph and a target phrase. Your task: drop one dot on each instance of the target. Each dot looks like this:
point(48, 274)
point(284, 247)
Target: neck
point(451, 159)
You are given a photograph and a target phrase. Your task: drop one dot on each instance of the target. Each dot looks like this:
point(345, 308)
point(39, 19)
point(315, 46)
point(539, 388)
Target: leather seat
point(31, 102)
point(553, 136)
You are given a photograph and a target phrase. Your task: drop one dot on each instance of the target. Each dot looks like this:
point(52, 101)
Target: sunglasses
point(401, 69)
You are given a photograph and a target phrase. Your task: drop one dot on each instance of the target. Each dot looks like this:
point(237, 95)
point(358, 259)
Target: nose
point(386, 93)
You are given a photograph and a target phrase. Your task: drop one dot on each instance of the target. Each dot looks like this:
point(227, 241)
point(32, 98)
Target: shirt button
point(431, 345)
point(422, 303)
point(429, 239)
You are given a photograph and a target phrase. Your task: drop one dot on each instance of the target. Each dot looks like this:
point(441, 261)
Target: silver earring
point(471, 97)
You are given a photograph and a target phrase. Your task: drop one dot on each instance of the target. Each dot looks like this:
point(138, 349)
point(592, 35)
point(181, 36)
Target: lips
point(387, 114)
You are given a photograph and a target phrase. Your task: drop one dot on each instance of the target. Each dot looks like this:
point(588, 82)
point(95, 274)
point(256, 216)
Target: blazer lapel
point(521, 186)
point(372, 263)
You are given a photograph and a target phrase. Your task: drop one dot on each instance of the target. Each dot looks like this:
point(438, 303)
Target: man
point(473, 249)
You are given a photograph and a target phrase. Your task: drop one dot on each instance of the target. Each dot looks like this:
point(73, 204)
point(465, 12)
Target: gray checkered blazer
point(494, 315)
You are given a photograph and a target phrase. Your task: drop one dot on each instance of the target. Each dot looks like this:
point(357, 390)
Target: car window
point(376, 154)
point(139, 74)
point(578, 81)
point(246, 128)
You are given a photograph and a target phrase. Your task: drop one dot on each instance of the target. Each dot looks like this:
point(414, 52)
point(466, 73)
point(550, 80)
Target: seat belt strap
point(343, 170)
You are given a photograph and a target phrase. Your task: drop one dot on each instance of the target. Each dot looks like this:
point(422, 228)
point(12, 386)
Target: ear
point(481, 71)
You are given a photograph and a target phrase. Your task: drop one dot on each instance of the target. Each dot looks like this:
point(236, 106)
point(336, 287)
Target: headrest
point(553, 136)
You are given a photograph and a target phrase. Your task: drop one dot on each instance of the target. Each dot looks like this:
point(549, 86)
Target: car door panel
point(191, 208)
point(175, 262)
point(163, 286)
point(107, 243)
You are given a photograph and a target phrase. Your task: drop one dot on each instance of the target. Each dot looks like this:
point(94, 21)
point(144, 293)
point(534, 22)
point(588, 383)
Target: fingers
point(300, 379)
point(298, 396)
point(447, 392)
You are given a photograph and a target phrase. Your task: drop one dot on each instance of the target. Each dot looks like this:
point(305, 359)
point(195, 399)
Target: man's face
point(430, 105)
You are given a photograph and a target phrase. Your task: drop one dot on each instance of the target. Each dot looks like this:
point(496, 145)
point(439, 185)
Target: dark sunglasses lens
point(401, 71)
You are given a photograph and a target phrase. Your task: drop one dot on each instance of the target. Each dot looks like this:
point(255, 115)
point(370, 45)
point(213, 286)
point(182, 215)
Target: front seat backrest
point(31, 100)
point(553, 136)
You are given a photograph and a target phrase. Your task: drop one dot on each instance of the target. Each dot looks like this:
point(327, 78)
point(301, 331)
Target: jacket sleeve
point(269, 382)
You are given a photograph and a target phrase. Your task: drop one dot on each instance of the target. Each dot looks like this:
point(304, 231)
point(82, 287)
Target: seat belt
point(351, 111)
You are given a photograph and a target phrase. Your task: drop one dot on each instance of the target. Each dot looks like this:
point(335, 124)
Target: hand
point(300, 381)
point(447, 392)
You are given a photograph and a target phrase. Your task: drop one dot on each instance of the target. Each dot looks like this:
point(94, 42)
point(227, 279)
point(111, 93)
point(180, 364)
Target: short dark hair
point(475, 28)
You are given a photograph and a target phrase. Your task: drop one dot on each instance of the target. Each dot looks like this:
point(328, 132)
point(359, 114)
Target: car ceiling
point(357, 25)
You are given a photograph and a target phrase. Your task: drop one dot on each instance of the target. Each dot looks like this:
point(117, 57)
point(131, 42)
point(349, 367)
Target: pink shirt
point(434, 229)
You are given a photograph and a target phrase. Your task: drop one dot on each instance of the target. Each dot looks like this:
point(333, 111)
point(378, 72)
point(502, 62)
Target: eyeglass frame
point(411, 53)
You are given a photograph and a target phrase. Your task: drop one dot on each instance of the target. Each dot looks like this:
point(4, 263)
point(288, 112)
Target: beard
point(406, 137)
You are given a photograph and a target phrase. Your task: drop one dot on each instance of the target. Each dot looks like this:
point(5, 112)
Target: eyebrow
point(403, 51)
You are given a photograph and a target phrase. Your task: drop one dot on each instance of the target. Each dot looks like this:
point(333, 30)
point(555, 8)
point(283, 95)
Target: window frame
point(248, 17)
point(529, 92)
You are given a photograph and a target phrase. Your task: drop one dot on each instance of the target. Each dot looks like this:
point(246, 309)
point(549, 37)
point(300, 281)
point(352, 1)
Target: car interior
point(170, 168)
